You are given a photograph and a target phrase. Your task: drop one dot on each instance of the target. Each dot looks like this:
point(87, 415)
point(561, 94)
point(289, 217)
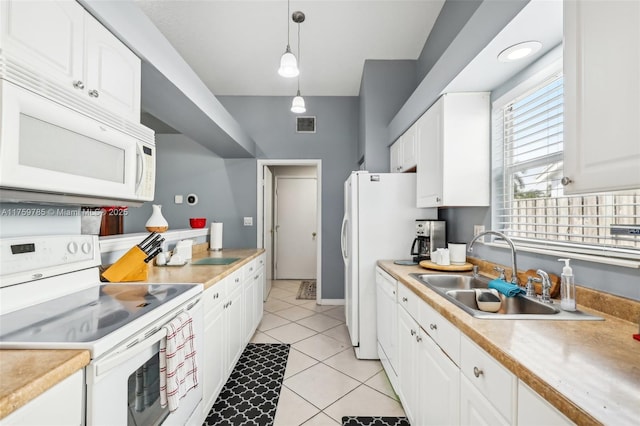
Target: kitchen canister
point(458, 253)
point(215, 236)
point(157, 222)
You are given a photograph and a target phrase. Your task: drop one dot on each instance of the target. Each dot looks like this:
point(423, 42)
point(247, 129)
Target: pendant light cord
point(299, 58)
point(288, 31)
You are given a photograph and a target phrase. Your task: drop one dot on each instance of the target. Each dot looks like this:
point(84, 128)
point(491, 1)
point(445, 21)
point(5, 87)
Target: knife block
point(130, 267)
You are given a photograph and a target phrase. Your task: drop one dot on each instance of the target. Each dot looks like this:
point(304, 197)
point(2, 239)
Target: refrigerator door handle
point(343, 238)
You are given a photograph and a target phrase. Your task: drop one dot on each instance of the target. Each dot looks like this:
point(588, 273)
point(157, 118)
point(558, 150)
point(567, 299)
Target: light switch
point(178, 199)
point(248, 221)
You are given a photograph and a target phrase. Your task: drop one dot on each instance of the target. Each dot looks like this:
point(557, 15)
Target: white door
point(296, 228)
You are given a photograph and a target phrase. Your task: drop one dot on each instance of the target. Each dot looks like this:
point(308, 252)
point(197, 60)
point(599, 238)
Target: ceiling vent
point(305, 124)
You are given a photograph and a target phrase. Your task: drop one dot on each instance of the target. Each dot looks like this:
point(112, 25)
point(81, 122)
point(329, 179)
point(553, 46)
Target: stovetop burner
point(87, 315)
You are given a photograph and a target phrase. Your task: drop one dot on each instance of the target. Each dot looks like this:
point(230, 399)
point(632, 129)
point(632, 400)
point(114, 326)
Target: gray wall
point(227, 188)
point(384, 88)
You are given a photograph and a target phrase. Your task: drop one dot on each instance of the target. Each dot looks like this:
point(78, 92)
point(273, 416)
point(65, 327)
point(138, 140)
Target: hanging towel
point(178, 369)
point(509, 290)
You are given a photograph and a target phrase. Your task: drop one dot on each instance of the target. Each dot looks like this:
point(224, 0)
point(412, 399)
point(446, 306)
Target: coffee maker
point(430, 235)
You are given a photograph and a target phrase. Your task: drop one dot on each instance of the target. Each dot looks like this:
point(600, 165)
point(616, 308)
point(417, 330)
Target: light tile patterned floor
point(323, 380)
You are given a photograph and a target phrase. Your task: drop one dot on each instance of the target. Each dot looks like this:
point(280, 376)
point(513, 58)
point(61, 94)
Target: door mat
point(307, 290)
point(250, 396)
point(374, 421)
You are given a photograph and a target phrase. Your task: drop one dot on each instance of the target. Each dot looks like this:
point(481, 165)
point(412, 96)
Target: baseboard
point(331, 302)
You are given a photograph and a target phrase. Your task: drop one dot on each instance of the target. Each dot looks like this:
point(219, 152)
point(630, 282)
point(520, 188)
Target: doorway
point(289, 219)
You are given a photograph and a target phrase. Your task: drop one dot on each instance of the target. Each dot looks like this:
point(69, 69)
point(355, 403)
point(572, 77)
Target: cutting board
point(427, 264)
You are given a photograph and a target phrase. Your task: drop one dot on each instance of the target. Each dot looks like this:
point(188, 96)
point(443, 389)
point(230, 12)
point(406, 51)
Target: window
point(530, 205)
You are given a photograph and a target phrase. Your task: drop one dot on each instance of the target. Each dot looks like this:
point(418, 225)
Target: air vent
point(305, 124)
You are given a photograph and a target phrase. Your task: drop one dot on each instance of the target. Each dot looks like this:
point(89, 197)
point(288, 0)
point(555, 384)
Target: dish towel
point(508, 289)
point(178, 369)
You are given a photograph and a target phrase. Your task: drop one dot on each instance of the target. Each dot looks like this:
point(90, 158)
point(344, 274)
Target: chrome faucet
point(546, 286)
point(514, 268)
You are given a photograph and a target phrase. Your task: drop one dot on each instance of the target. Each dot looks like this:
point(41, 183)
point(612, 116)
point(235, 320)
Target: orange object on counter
point(130, 267)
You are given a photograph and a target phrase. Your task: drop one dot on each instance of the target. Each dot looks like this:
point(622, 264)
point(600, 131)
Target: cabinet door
point(63, 405)
point(234, 326)
point(601, 95)
point(47, 36)
point(214, 360)
point(248, 308)
point(533, 410)
point(409, 142)
point(429, 170)
point(407, 361)
point(438, 385)
point(475, 409)
point(258, 303)
point(395, 156)
point(112, 71)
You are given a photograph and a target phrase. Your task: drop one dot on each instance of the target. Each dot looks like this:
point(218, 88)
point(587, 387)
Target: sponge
point(509, 290)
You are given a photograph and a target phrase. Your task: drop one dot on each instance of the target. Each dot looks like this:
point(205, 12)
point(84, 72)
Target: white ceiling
point(235, 45)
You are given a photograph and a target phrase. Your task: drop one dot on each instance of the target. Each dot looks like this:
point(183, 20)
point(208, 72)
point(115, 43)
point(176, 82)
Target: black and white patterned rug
point(250, 396)
point(374, 421)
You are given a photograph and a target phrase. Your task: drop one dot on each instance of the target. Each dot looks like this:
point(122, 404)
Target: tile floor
point(323, 380)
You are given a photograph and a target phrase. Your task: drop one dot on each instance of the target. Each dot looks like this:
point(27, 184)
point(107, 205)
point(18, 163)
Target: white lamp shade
point(288, 65)
point(297, 105)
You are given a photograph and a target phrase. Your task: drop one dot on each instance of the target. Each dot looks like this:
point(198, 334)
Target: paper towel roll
point(215, 238)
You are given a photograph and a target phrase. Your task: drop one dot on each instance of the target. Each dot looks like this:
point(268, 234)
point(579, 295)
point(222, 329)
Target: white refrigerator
point(379, 223)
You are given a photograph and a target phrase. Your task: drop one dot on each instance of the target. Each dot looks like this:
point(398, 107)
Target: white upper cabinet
point(57, 42)
point(602, 95)
point(403, 152)
point(113, 72)
point(453, 167)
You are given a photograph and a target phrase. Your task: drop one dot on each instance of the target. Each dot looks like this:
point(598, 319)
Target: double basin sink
point(460, 290)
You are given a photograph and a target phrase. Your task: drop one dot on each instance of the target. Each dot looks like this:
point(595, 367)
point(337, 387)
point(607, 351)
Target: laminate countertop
point(589, 370)
point(25, 374)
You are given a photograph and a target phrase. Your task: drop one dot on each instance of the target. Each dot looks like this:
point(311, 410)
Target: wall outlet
point(248, 221)
point(478, 229)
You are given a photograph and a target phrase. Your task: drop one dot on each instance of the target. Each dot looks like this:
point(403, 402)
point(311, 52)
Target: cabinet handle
point(404, 299)
point(433, 326)
point(78, 84)
point(437, 199)
point(237, 280)
point(256, 277)
point(565, 181)
point(477, 372)
point(394, 292)
point(93, 93)
point(413, 332)
point(418, 339)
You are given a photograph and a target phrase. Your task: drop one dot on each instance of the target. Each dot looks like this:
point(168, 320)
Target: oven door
point(123, 387)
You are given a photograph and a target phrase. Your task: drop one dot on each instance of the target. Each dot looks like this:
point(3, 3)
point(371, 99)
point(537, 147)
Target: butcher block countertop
point(25, 374)
point(589, 370)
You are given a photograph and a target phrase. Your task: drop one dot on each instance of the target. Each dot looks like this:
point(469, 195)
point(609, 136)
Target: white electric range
point(51, 297)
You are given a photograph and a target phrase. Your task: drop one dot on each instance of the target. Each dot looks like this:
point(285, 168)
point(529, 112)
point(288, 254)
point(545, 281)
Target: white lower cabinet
point(60, 405)
point(233, 307)
point(533, 410)
point(443, 377)
point(429, 381)
point(387, 323)
point(214, 360)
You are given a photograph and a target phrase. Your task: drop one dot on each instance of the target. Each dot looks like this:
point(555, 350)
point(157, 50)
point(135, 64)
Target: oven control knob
point(72, 247)
point(86, 248)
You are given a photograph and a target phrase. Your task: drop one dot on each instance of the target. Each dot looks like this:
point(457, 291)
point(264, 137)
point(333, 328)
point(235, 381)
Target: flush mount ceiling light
point(288, 63)
point(297, 105)
point(519, 51)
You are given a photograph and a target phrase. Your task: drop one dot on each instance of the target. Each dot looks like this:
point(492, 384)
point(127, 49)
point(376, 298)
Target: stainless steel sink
point(460, 290)
point(452, 282)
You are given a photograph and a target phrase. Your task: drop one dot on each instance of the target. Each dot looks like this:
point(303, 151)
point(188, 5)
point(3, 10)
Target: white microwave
point(52, 153)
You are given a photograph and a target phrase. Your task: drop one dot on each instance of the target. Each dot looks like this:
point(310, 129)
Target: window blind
point(530, 205)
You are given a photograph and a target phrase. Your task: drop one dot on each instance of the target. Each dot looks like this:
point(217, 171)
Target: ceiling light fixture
point(297, 105)
point(519, 51)
point(288, 63)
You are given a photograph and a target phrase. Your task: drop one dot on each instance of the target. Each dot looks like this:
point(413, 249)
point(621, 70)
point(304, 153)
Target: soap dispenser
point(567, 287)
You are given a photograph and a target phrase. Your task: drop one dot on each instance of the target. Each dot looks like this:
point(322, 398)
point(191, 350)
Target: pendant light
point(297, 105)
point(288, 63)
